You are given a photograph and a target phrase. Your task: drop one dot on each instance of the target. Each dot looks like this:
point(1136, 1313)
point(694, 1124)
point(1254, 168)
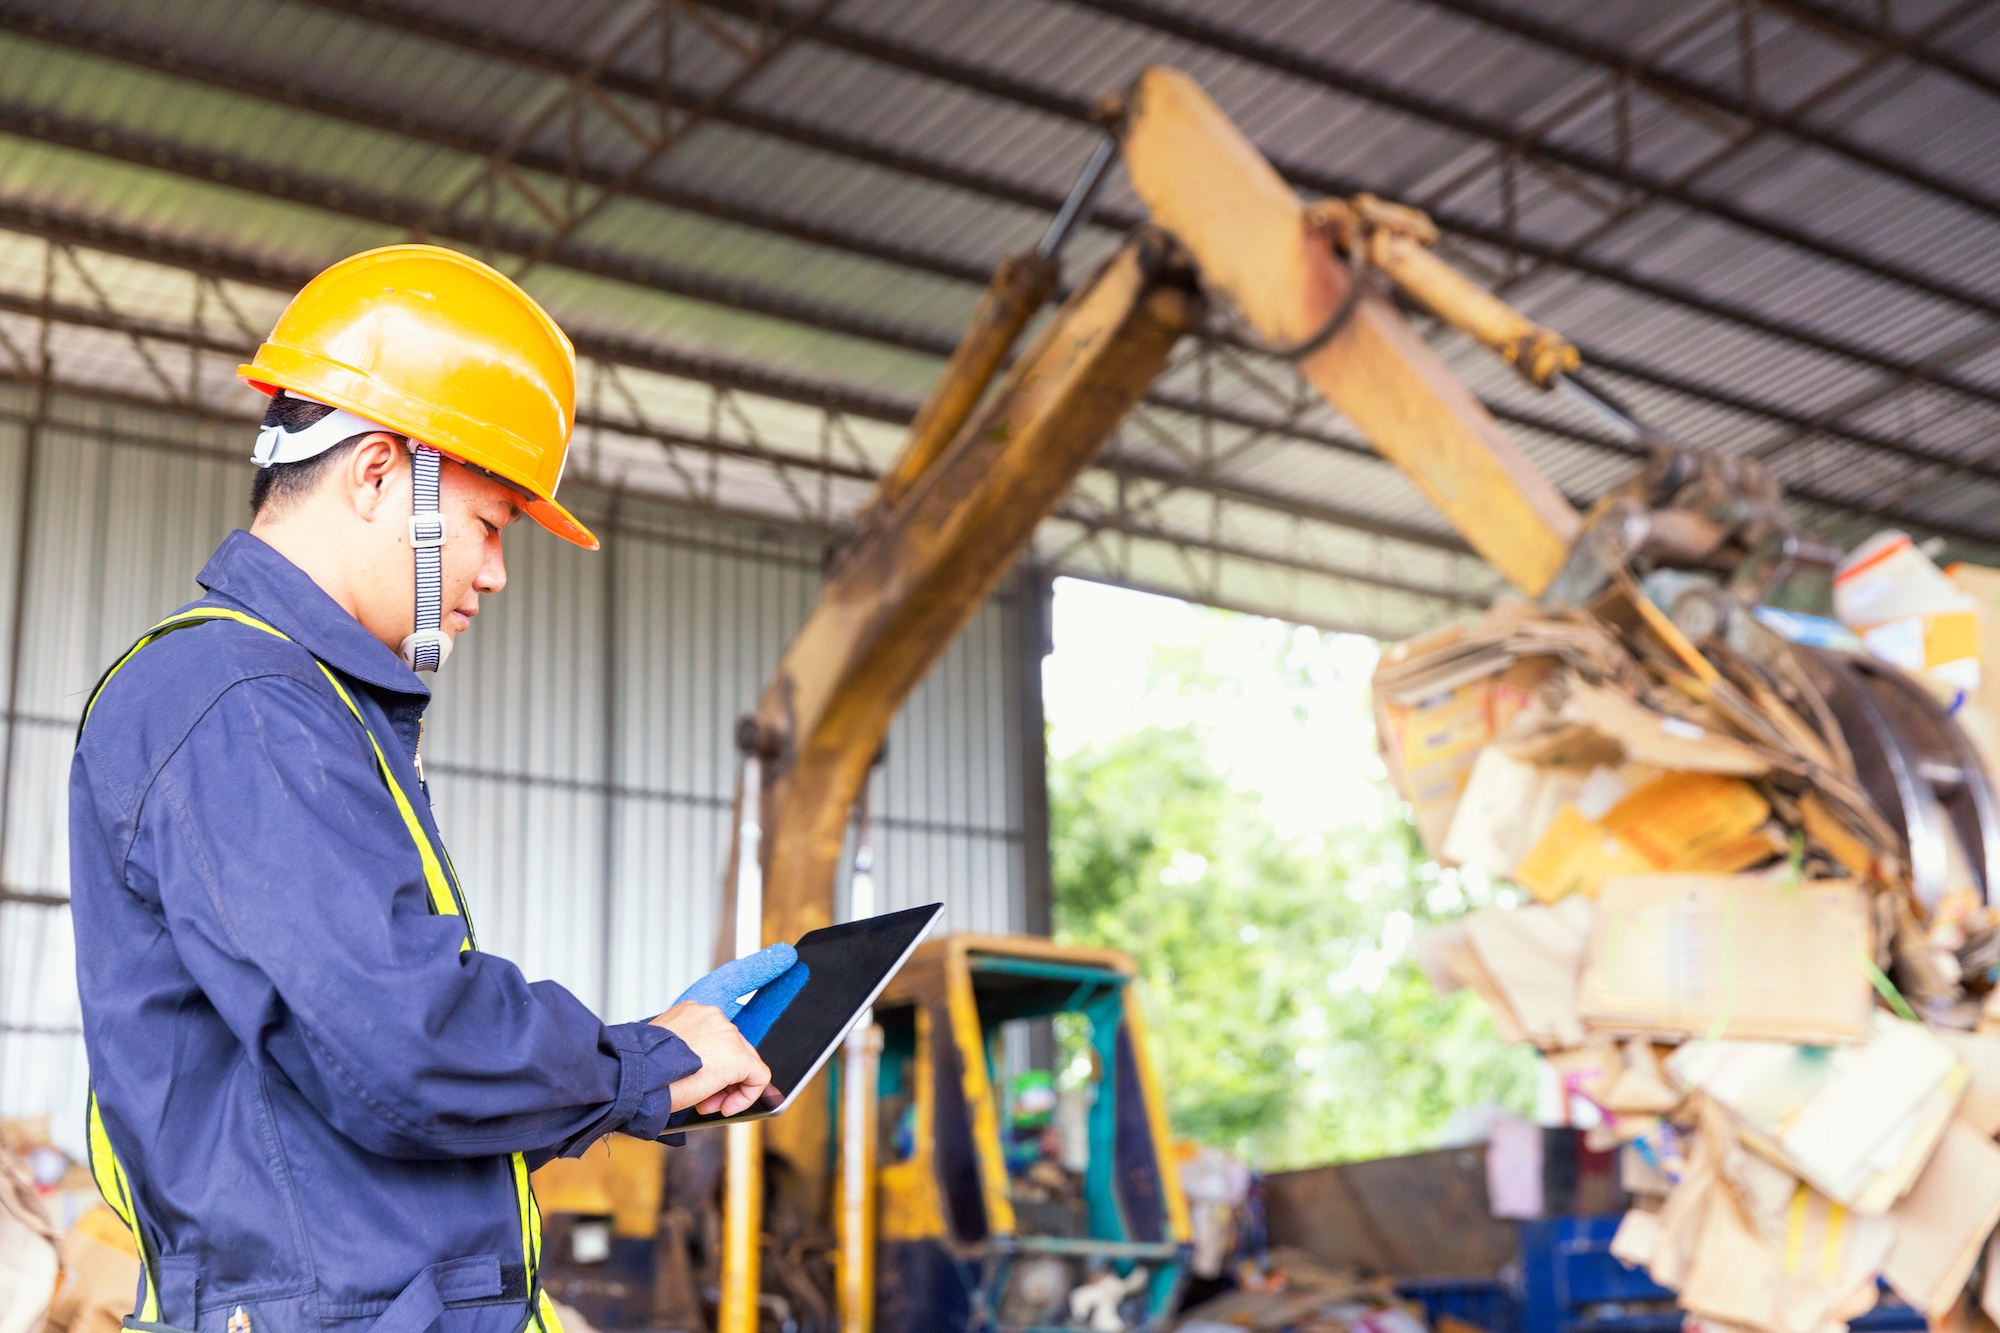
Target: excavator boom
point(1274, 258)
point(912, 578)
point(980, 472)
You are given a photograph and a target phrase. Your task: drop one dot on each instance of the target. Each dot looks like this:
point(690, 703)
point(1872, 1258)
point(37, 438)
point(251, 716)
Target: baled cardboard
point(1533, 955)
point(1445, 954)
point(1681, 819)
point(1575, 855)
point(1943, 1223)
point(1575, 721)
point(1855, 1122)
point(1980, 1054)
point(1431, 737)
point(1505, 806)
point(1729, 956)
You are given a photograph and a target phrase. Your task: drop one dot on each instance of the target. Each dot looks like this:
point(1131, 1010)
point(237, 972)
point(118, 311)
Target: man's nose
point(493, 572)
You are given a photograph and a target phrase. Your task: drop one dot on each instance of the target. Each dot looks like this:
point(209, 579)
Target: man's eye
point(491, 530)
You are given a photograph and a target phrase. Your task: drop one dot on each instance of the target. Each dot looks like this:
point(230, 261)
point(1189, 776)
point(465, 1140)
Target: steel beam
point(665, 279)
point(33, 123)
point(834, 398)
point(583, 97)
point(212, 262)
point(347, 200)
point(1882, 39)
point(1122, 466)
point(214, 168)
point(1193, 546)
point(1188, 27)
point(1673, 86)
point(1118, 578)
point(749, 298)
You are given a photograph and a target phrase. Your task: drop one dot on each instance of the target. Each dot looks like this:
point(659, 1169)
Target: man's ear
point(371, 464)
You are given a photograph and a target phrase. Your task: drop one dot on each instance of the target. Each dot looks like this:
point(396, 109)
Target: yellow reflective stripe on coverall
point(109, 1172)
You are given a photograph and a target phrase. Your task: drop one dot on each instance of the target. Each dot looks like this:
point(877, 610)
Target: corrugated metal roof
point(1776, 233)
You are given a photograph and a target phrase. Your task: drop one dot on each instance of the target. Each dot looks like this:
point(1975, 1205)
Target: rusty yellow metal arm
point(932, 548)
point(1021, 286)
point(1273, 257)
point(912, 579)
point(1404, 256)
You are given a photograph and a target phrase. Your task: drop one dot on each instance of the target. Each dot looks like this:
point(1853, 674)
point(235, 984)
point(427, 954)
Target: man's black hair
point(282, 483)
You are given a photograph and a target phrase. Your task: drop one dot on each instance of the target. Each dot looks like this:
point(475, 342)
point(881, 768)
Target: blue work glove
point(727, 985)
point(772, 1000)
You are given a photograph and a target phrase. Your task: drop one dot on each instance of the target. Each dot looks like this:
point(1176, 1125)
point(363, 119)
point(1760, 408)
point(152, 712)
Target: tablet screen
point(847, 967)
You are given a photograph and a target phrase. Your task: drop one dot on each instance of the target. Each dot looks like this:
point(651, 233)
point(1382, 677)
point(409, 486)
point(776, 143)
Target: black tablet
point(845, 967)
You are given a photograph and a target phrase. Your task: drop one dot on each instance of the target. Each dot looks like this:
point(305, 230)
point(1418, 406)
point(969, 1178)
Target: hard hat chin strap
point(427, 647)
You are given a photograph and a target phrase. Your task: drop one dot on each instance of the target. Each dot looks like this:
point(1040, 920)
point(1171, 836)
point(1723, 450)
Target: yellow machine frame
point(945, 1250)
point(980, 471)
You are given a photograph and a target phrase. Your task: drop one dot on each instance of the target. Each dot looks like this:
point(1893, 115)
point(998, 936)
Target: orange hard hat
point(437, 346)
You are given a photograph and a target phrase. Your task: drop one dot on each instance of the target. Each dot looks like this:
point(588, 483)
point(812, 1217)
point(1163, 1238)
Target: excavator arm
point(980, 471)
point(1276, 260)
point(945, 525)
point(910, 580)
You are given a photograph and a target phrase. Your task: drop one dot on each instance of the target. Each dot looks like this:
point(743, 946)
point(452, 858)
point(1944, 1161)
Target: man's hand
point(732, 1078)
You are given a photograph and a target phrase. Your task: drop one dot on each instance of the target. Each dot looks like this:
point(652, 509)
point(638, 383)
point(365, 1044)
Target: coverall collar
point(249, 572)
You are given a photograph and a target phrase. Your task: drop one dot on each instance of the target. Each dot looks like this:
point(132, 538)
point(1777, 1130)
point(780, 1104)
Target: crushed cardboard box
point(1980, 1054)
point(1574, 721)
point(1716, 947)
point(1943, 1223)
point(1523, 963)
point(1857, 1122)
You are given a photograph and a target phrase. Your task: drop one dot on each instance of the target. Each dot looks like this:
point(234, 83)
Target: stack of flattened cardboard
point(1710, 936)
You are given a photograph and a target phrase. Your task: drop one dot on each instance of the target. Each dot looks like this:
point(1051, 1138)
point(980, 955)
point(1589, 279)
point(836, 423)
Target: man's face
point(476, 508)
point(351, 535)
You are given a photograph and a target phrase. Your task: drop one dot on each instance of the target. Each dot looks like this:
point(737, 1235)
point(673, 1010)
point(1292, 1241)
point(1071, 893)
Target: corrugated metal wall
point(580, 749)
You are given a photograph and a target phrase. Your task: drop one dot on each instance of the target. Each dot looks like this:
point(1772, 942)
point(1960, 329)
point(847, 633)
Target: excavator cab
point(1031, 1211)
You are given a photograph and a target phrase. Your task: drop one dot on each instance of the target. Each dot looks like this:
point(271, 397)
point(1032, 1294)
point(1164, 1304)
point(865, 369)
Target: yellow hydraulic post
point(911, 580)
point(1398, 242)
point(1395, 240)
point(854, 1260)
point(1021, 286)
point(743, 1154)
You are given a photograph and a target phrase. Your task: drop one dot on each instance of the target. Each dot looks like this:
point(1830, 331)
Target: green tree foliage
point(1289, 1025)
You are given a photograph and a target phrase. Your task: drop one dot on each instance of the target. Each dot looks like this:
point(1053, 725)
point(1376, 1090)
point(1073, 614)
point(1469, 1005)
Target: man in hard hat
point(314, 1100)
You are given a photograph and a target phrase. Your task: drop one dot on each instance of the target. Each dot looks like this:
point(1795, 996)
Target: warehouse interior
point(1771, 228)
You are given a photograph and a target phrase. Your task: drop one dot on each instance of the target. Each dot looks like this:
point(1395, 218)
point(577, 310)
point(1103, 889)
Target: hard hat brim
point(542, 508)
point(562, 523)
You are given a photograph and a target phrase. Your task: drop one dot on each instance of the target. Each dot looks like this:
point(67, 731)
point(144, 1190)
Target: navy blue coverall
point(315, 1092)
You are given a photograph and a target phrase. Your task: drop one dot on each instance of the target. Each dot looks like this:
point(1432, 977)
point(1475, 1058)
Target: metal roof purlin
point(1905, 45)
point(818, 240)
point(213, 167)
point(295, 187)
point(339, 196)
point(620, 352)
point(582, 95)
point(989, 83)
point(1114, 463)
point(1678, 87)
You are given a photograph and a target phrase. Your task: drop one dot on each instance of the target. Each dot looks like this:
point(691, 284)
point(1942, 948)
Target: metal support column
point(1035, 593)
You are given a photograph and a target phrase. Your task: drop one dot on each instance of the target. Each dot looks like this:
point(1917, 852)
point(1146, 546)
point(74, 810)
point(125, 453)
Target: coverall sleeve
point(296, 898)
